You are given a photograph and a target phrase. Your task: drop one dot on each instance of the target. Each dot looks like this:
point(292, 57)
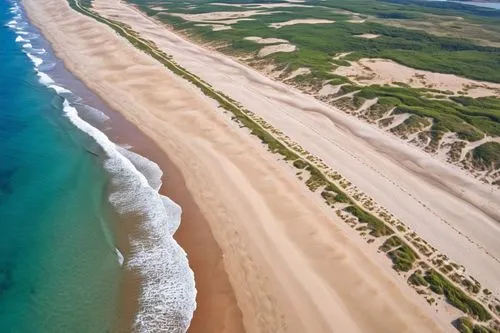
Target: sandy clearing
point(219, 16)
point(298, 72)
point(158, 8)
point(215, 27)
point(328, 89)
point(278, 25)
point(261, 5)
point(356, 20)
point(293, 268)
point(270, 49)
point(260, 40)
point(440, 202)
point(367, 36)
point(339, 56)
point(383, 71)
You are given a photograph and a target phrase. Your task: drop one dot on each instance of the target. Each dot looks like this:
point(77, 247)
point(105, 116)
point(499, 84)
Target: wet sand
point(215, 294)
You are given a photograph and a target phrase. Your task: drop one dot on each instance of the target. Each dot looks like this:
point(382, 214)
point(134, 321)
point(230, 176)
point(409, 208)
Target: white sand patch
point(368, 36)
point(230, 22)
point(382, 71)
point(345, 12)
point(278, 25)
point(219, 16)
point(215, 27)
point(397, 120)
point(356, 19)
point(260, 40)
point(298, 72)
point(339, 56)
point(328, 89)
point(277, 5)
point(261, 5)
point(267, 50)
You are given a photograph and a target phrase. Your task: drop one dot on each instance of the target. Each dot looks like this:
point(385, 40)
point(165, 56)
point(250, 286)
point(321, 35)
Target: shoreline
point(193, 235)
point(254, 211)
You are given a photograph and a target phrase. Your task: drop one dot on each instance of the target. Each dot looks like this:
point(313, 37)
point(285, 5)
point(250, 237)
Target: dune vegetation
point(438, 37)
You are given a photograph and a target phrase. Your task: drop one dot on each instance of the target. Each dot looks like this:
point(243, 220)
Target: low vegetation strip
point(402, 256)
point(456, 297)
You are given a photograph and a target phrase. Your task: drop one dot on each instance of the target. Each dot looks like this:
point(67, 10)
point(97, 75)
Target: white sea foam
point(49, 82)
point(168, 297)
point(11, 24)
point(59, 89)
point(20, 39)
point(119, 256)
point(27, 46)
point(36, 60)
point(40, 51)
point(168, 294)
point(95, 115)
point(45, 79)
point(150, 170)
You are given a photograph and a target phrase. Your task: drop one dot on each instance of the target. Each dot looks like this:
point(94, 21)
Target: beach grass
point(456, 297)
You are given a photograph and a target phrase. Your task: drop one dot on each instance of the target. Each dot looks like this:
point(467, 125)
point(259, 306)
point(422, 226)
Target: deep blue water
point(58, 267)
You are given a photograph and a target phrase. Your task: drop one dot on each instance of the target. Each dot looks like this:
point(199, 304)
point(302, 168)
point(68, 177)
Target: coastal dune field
point(293, 266)
point(453, 212)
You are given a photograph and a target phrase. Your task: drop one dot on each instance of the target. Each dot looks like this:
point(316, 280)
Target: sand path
point(455, 213)
point(293, 268)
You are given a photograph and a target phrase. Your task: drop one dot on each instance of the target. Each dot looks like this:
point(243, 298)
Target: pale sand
point(278, 25)
point(219, 16)
point(270, 49)
point(267, 50)
point(260, 40)
point(383, 71)
point(298, 72)
point(293, 268)
point(260, 5)
point(356, 21)
point(441, 203)
point(367, 36)
point(215, 27)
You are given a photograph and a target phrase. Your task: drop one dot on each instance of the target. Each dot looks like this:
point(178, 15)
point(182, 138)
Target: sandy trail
point(293, 268)
point(455, 213)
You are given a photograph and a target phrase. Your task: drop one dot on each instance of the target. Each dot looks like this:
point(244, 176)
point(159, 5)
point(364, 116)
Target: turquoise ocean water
point(61, 182)
point(58, 267)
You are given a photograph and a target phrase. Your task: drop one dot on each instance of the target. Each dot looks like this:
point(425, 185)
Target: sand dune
point(455, 213)
point(293, 268)
point(383, 71)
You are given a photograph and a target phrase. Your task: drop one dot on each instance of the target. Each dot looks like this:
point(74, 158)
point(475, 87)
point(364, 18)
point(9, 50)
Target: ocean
point(67, 195)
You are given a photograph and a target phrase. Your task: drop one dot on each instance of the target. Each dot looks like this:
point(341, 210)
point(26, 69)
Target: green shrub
point(456, 297)
point(377, 227)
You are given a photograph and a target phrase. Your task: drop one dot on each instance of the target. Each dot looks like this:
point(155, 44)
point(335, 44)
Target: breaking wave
point(168, 294)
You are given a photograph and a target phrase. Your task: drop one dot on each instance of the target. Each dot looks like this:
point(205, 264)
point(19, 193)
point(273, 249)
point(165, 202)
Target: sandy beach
point(452, 211)
point(292, 266)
